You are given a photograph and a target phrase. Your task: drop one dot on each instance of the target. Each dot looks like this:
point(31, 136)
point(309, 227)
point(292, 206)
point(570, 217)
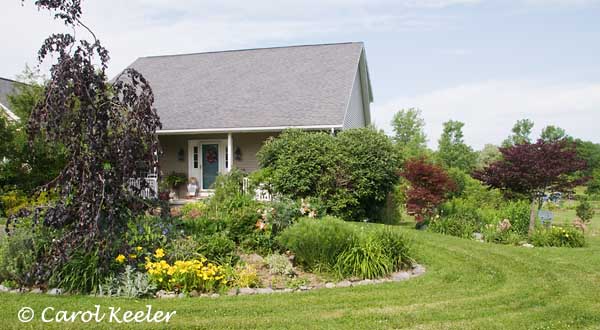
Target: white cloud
point(136, 28)
point(489, 109)
point(562, 3)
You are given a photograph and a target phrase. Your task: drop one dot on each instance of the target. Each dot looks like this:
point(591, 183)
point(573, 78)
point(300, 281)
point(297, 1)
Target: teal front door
point(210, 165)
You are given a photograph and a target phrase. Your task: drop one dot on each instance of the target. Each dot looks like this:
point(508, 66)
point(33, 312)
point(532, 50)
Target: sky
point(487, 63)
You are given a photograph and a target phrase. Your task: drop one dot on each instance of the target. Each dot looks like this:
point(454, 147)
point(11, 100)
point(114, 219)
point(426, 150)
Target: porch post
point(229, 152)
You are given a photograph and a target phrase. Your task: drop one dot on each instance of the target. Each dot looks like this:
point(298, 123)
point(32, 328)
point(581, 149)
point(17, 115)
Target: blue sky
point(487, 63)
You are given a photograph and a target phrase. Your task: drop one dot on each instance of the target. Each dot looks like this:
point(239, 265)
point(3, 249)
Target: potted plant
point(173, 181)
point(163, 191)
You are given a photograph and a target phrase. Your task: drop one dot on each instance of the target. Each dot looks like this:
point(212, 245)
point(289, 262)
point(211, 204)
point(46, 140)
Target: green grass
point(566, 214)
point(468, 285)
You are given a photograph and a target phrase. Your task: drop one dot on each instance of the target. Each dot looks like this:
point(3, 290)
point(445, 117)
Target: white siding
point(355, 114)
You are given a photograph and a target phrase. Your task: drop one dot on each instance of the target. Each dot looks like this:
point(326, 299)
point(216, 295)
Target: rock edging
point(416, 271)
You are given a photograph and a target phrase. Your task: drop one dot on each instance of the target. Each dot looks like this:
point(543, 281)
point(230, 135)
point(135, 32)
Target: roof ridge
point(257, 48)
point(11, 80)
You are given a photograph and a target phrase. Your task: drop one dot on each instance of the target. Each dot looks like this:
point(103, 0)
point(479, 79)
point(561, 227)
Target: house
point(7, 87)
point(218, 108)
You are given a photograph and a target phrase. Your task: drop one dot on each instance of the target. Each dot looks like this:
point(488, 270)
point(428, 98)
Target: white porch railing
point(151, 191)
point(260, 193)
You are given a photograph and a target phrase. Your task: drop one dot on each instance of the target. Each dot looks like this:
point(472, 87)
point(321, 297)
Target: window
point(195, 156)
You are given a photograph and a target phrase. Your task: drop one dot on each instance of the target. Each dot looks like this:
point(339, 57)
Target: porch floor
point(183, 201)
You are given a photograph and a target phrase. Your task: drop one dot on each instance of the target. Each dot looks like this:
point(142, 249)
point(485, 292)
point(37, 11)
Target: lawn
point(468, 285)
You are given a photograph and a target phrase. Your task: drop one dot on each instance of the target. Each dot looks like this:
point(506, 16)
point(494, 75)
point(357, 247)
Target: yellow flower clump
point(186, 275)
point(159, 253)
point(120, 258)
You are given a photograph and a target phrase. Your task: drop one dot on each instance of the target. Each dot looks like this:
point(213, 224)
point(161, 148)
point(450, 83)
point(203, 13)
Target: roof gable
point(270, 87)
point(7, 87)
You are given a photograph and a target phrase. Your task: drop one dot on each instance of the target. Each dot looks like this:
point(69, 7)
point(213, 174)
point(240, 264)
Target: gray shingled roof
point(7, 87)
point(269, 87)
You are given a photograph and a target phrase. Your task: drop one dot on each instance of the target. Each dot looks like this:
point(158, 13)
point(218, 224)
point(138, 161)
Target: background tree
point(590, 152)
point(106, 130)
point(553, 133)
point(488, 155)
point(585, 210)
point(27, 165)
point(593, 186)
point(452, 150)
point(521, 133)
point(408, 133)
point(429, 186)
point(533, 170)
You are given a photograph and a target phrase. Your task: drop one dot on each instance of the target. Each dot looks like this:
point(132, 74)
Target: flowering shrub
point(185, 276)
point(503, 232)
point(275, 216)
point(558, 236)
point(246, 277)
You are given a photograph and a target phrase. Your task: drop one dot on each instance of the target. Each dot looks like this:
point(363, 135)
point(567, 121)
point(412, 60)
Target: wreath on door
point(211, 155)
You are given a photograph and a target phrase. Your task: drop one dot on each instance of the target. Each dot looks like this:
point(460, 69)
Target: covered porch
point(202, 157)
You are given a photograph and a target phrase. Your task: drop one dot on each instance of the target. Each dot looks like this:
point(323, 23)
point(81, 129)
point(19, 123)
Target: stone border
point(416, 271)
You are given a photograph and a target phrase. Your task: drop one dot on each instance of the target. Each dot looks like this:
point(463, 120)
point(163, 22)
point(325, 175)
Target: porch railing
point(261, 193)
point(151, 189)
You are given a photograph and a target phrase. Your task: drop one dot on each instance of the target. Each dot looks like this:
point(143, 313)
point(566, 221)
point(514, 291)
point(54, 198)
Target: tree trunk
point(532, 217)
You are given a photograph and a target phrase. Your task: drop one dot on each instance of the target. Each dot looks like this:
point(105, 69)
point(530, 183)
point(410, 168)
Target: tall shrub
point(106, 129)
point(352, 173)
point(429, 186)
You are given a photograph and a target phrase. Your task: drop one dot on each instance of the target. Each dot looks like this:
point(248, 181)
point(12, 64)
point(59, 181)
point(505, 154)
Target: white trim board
point(244, 129)
point(9, 113)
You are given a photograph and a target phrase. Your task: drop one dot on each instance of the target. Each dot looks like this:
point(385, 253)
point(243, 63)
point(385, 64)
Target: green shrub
point(455, 225)
point(228, 188)
point(502, 233)
point(202, 226)
point(18, 256)
point(584, 210)
point(352, 173)
point(279, 264)
point(83, 272)
point(332, 245)
point(258, 242)
point(557, 236)
point(281, 213)
point(21, 250)
point(11, 202)
point(217, 247)
point(300, 163)
point(370, 163)
point(464, 216)
point(192, 211)
point(395, 245)
point(240, 217)
point(366, 258)
point(184, 248)
point(518, 213)
point(149, 232)
point(317, 244)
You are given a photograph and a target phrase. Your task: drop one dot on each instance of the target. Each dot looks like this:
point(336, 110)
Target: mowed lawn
point(468, 285)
